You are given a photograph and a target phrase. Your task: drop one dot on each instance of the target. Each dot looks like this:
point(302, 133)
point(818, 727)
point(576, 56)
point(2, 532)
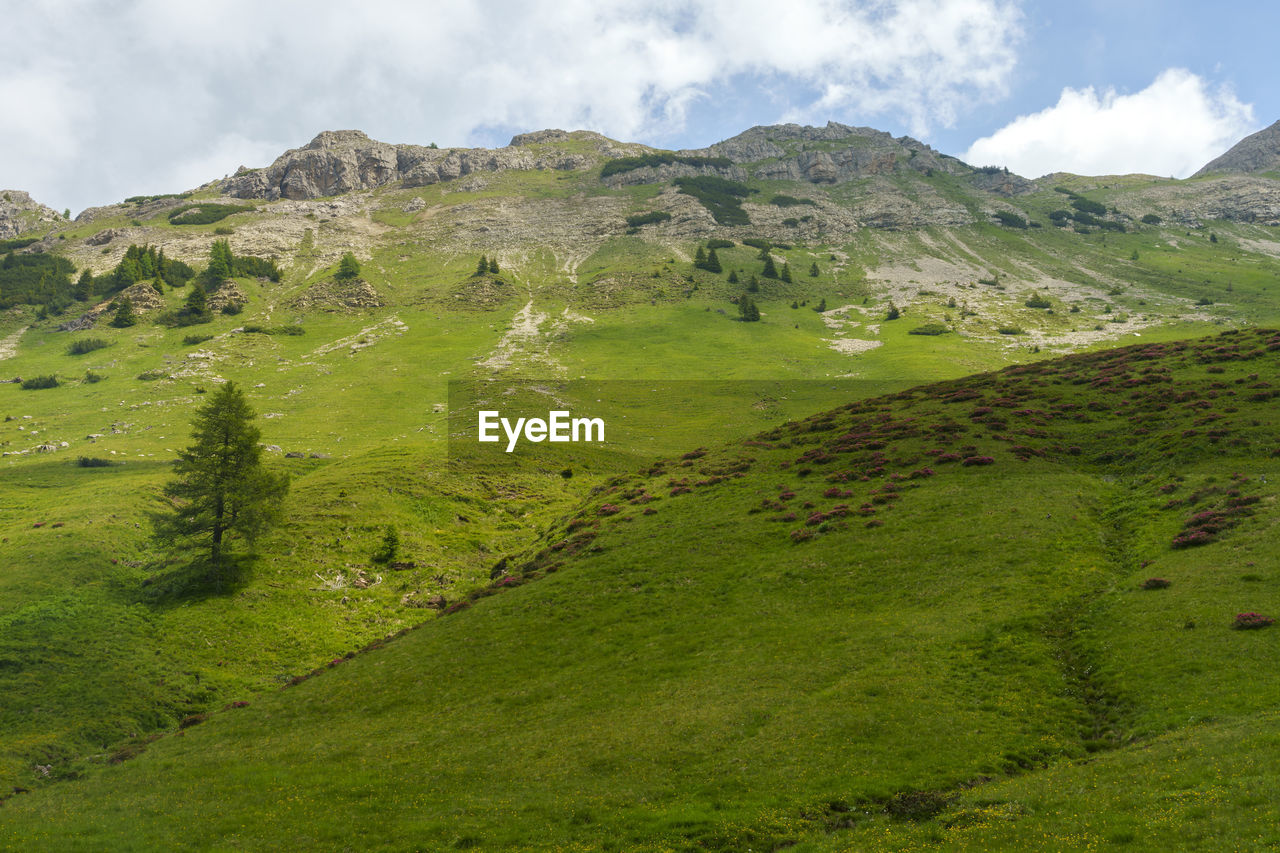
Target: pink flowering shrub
point(1251, 621)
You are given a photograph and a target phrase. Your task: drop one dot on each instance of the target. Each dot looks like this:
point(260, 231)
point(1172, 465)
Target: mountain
point(1258, 152)
point(659, 655)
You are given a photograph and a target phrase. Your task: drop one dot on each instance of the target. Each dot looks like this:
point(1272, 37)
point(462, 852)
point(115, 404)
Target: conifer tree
point(713, 262)
point(813, 270)
point(493, 265)
point(786, 272)
point(770, 270)
point(222, 491)
point(483, 266)
point(348, 267)
point(747, 309)
point(124, 315)
point(84, 287)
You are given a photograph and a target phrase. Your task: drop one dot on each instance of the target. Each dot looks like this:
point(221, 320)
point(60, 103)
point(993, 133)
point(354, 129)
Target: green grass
point(701, 682)
point(696, 679)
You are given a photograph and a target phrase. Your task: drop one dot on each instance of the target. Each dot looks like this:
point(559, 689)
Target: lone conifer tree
point(348, 267)
point(813, 270)
point(222, 491)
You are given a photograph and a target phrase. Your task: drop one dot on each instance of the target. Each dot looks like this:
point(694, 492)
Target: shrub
point(205, 213)
point(93, 462)
point(638, 219)
point(37, 383)
point(977, 460)
point(153, 375)
point(1010, 330)
point(717, 243)
point(781, 200)
point(722, 197)
point(1155, 583)
point(893, 313)
point(1151, 219)
point(1085, 205)
point(85, 345)
point(1010, 220)
point(661, 158)
point(1251, 621)
point(929, 329)
point(192, 340)
point(91, 377)
point(1038, 302)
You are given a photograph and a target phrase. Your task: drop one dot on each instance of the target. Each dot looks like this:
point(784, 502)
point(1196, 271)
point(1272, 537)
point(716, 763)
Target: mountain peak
point(337, 139)
point(1257, 152)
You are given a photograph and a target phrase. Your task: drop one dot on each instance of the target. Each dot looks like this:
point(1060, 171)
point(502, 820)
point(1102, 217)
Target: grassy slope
point(694, 679)
point(88, 655)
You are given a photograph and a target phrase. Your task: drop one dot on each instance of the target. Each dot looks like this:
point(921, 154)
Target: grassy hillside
point(914, 619)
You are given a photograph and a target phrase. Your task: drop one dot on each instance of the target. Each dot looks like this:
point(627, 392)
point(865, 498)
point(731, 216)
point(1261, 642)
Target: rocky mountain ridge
point(1257, 152)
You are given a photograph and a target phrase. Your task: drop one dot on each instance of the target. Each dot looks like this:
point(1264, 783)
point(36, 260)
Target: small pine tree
point(389, 547)
point(786, 273)
point(893, 312)
point(1213, 238)
point(713, 262)
point(795, 304)
point(493, 265)
point(764, 252)
point(733, 276)
point(124, 315)
point(699, 258)
point(770, 270)
point(753, 286)
point(348, 267)
point(813, 270)
point(748, 310)
point(483, 266)
point(822, 305)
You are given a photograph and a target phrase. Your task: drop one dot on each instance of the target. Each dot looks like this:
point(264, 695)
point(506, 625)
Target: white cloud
point(116, 97)
point(1172, 127)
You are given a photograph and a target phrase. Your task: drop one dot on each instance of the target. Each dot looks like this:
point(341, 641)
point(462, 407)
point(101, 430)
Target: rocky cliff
point(1258, 152)
point(344, 160)
point(20, 214)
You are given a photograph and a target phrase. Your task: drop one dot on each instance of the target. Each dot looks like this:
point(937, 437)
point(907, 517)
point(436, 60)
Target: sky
point(105, 100)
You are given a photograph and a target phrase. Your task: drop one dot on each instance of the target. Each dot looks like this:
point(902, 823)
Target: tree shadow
point(180, 582)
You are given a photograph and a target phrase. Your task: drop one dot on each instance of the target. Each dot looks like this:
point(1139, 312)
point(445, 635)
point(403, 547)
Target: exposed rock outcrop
point(1258, 152)
point(345, 160)
point(19, 214)
point(142, 296)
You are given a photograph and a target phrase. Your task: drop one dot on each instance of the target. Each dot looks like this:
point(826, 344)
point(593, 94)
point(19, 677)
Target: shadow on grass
point(177, 582)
